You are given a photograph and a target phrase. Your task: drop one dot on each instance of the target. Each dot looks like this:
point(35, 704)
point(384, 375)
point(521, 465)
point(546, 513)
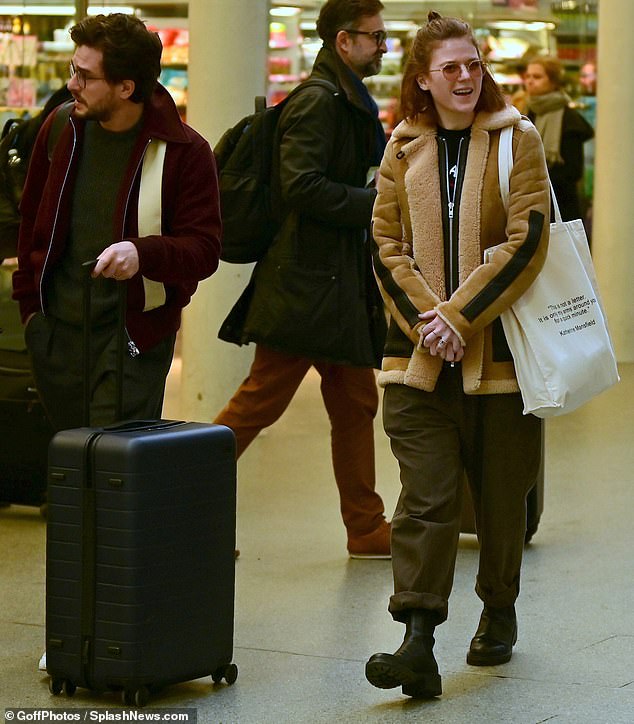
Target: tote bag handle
point(557, 373)
point(505, 166)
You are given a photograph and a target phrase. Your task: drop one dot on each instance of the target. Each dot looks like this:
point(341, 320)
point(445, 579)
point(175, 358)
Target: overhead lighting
point(532, 25)
point(284, 11)
point(103, 10)
point(63, 10)
point(400, 26)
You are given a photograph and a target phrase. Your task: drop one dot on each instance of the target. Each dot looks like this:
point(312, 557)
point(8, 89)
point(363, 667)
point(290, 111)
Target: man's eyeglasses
point(380, 36)
point(452, 71)
point(81, 76)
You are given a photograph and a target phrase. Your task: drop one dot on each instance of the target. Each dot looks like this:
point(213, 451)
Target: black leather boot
point(413, 665)
point(494, 640)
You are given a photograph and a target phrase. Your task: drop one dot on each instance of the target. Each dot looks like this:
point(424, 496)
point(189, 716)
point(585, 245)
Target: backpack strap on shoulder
point(313, 82)
point(60, 119)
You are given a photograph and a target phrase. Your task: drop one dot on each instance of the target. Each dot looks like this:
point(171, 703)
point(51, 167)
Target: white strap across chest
point(150, 213)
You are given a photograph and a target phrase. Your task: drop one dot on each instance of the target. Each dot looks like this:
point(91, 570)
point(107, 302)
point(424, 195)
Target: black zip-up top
point(453, 147)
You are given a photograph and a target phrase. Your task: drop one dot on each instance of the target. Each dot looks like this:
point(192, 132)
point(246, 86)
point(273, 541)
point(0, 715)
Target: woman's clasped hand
point(439, 338)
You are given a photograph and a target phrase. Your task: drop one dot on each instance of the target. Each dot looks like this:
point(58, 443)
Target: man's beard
point(373, 66)
point(101, 113)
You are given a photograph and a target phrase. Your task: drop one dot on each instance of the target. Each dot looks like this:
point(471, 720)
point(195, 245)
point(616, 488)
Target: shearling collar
point(422, 128)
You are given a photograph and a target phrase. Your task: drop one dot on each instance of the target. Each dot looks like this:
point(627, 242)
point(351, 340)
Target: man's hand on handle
point(118, 261)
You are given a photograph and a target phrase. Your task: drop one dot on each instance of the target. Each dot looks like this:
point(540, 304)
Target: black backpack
point(16, 144)
point(244, 158)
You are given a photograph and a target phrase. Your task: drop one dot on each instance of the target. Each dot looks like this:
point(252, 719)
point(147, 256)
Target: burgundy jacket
point(188, 248)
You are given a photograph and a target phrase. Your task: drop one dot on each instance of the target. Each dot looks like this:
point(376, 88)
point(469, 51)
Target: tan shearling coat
point(410, 247)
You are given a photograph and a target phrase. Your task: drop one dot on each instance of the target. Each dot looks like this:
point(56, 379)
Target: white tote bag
point(557, 330)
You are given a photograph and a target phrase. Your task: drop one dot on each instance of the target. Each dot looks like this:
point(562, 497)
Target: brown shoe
point(374, 545)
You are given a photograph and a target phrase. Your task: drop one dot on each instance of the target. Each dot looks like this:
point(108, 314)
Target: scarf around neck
point(549, 114)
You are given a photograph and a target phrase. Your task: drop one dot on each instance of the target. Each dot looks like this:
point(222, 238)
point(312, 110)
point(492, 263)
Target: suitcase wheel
point(135, 697)
point(56, 686)
point(229, 673)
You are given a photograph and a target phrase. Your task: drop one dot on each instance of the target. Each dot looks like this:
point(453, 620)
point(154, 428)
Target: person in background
point(312, 301)
point(562, 128)
point(451, 404)
point(519, 98)
point(587, 106)
point(588, 79)
point(130, 185)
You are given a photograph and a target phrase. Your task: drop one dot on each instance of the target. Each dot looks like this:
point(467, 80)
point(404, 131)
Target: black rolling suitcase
point(24, 428)
point(140, 557)
point(140, 570)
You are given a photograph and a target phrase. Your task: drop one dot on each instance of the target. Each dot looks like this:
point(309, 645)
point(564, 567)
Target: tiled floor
point(307, 617)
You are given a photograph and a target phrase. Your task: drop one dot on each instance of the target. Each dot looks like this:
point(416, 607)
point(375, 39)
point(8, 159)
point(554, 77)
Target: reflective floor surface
point(308, 617)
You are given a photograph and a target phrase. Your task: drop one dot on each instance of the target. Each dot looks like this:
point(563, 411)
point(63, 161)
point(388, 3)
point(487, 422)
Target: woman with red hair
point(451, 403)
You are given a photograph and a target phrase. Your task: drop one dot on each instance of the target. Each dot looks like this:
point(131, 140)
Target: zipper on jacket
point(59, 203)
point(133, 350)
point(451, 198)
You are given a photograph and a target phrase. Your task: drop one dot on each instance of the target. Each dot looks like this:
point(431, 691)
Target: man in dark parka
point(312, 300)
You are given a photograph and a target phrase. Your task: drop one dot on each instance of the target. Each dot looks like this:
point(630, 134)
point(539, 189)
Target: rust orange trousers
point(351, 400)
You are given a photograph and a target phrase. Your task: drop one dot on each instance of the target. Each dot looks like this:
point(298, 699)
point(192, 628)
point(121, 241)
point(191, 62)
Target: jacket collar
point(423, 127)
point(160, 118)
point(329, 65)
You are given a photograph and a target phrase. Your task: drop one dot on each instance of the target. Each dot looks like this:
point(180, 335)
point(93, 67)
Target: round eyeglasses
point(82, 78)
point(451, 71)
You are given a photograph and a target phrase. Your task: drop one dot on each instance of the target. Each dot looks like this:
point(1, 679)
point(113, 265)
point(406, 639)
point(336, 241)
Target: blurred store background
point(35, 47)
point(228, 68)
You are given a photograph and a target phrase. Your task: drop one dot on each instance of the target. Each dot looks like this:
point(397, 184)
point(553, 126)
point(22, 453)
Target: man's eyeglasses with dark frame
point(380, 36)
point(82, 77)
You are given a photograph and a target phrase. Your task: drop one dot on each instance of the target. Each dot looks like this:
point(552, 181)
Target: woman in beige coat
point(451, 402)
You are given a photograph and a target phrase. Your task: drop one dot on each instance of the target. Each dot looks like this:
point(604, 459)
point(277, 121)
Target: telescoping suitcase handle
point(122, 288)
point(140, 425)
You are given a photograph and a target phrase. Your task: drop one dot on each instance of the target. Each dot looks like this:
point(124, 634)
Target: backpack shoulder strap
point(62, 114)
point(10, 161)
point(312, 82)
point(320, 83)
point(9, 125)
